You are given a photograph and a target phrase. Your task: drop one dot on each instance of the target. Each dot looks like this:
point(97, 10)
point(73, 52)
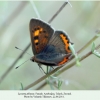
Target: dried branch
point(60, 71)
point(83, 48)
point(41, 86)
point(93, 39)
point(4, 26)
point(59, 10)
point(10, 68)
point(12, 17)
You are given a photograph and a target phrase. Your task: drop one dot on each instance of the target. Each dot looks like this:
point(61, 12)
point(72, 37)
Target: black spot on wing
point(37, 43)
point(36, 37)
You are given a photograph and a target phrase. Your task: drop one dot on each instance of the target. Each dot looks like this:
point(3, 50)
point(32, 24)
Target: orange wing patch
point(36, 41)
point(63, 61)
point(36, 33)
point(41, 29)
point(65, 42)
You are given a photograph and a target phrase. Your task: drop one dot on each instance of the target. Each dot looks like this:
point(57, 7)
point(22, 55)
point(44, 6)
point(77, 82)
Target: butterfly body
point(50, 47)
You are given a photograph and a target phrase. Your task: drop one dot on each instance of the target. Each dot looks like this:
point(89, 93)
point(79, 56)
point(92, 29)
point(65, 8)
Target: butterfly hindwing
point(40, 33)
point(63, 46)
point(61, 42)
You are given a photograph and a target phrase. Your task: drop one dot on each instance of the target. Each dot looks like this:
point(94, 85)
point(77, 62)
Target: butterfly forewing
point(40, 33)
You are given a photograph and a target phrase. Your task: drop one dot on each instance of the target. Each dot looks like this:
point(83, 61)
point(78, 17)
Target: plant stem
point(82, 58)
point(61, 71)
point(11, 67)
point(59, 10)
point(83, 48)
point(93, 39)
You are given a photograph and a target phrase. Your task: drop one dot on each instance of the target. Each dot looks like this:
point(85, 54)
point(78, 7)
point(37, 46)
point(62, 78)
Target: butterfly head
point(32, 59)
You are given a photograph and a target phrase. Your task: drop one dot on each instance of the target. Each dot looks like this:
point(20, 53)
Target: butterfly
point(50, 47)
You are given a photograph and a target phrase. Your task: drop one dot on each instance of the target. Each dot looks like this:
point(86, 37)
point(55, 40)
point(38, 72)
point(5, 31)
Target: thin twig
point(41, 86)
point(59, 10)
point(42, 78)
point(4, 26)
point(11, 18)
point(60, 71)
point(35, 9)
point(82, 58)
point(83, 48)
point(10, 68)
point(93, 39)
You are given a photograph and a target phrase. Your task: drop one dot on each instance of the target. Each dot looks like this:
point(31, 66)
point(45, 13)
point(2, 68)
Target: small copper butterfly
point(49, 47)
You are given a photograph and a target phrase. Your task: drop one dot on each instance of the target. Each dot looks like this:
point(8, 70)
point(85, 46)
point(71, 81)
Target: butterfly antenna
point(22, 50)
point(22, 63)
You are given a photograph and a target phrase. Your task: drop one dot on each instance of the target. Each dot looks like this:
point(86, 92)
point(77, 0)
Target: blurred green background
point(79, 21)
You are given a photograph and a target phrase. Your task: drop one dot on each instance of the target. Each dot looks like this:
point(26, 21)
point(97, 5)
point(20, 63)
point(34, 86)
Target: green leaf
point(97, 34)
point(74, 53)
point(93, 47)
point(77, 62)
point(72, 48)
point(48, 80)
point(21, 86)
point(95, 52)
point(59, 84)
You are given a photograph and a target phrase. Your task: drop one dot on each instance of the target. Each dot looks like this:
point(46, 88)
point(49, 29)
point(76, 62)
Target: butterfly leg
point(41, 68)
point(49, 69)
point(52, 67)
